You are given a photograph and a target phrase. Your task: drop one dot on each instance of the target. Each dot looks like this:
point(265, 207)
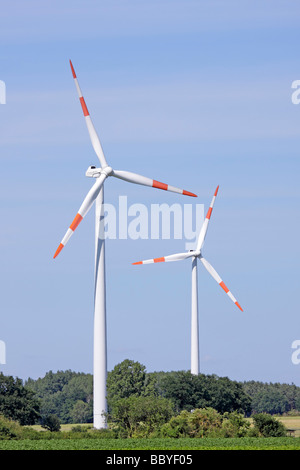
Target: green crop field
point(286, 443)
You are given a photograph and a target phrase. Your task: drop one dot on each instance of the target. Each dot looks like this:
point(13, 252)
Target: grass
point(291, 422)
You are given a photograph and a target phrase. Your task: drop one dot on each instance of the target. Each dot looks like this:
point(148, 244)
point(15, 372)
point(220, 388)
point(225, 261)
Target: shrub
point(235, 425)
point(268, 426)
point(51, 423)
point(201, 422)
point(177, 426)
point(205, 422)
point(13, 430)
point(140, 416)
point(8, 429)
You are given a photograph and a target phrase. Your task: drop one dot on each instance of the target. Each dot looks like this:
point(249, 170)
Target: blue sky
point(195, 94)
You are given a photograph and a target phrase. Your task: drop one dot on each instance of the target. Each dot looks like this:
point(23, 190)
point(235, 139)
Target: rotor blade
point(204, 227)
point(92, 132)
point(138, 179)
point(176, 257)
point(84, 208)
point(217, 278)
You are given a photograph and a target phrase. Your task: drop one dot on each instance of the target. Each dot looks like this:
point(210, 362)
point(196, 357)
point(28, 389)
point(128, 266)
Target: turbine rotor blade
point(176, 257)
point(92, 132)
point(143, 180)
point(204, 227)
point(217, 278)
point(83, 210)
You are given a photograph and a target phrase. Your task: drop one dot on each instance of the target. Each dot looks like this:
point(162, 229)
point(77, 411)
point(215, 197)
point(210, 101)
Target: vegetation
point(158, 422)
point(51, 423)
point(137, 416)
point(18, 402)
point(272, 398)
point(188, 391)
point(68, 395)
point(160, 407)
point(246, 443)
point(267, 426)
point(205, 422)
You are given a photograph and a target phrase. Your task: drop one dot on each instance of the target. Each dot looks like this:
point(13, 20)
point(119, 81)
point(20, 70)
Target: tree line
point(135, 394)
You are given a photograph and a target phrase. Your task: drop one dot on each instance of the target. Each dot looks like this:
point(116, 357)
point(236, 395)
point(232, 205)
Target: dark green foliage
point(69, 395)
point(138, 415)
point(51, 423)
point(126, 379)
point(268, 426)
point(272, 398)
point(205, 422)
point(189, 391)
point(18, 402)
point(270, 401)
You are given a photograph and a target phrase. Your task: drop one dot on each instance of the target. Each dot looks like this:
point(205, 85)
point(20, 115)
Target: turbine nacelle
point(94, 172)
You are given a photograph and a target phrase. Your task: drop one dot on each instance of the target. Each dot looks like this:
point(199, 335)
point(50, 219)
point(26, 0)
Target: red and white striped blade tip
point(58, 250)
point(166, 187)
point(72, 68)
point(154, 260)
point(187, 193)
point(225, 288)
point(78, 218)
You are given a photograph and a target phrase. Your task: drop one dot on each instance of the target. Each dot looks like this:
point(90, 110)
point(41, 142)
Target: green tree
point(60, 391)
point(51, 383)
point(125, 380)
point(268, 426)
point(272, 397)
point(81, 412)
point(140, 416)
point(188, 391)
point(226, 395)
point(51, 423)
point(270, 401)
point(183, 388)
point(17, 402)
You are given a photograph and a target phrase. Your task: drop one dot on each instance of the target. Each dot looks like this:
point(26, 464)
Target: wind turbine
point(196, 254)
point(96, 194)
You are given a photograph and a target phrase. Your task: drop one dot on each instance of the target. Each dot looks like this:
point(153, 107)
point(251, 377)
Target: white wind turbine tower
point(195, 254)
point(96, 194)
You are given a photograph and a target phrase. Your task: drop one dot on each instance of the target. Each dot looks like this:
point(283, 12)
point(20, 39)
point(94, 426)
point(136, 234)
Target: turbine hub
point(107, 170)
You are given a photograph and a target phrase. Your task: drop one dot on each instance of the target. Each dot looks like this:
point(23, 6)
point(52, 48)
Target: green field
point(287, 443)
